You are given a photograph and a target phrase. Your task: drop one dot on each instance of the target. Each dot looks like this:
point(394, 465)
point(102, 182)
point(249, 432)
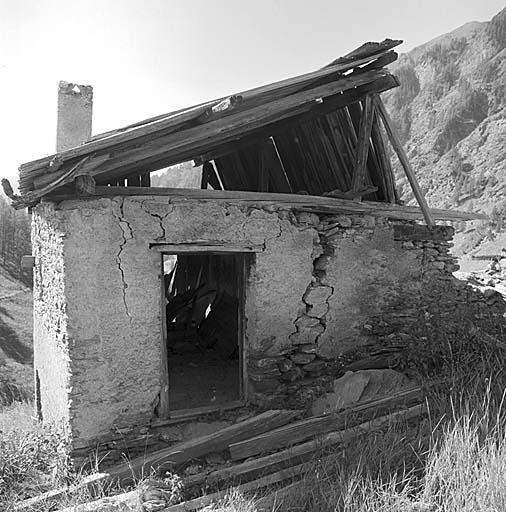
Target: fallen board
point(197, 447)
point(308, 428)
point(296, 454)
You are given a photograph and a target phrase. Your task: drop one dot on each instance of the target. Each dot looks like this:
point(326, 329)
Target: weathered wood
point(384, 160)
point(190, 142)
point(164, 405)
point(224, 106)
point(369, 49)
point(194, 448)
point(308, 428)
point(330, 104)
point(181, 415)
point(292, 201)
point(206, 246)
point(56, 495)
point(255, 485)
point(126, 502)
point(403, 157)
point(85, 185)
point(362, 150)
point(296, 454)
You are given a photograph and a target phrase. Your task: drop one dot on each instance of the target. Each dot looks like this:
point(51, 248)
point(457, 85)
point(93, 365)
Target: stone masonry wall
point(317, 287)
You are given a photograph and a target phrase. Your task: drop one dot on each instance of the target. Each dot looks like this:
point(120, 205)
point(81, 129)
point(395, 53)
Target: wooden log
point(55, 496)
point(85, 185)
point(308, 428)
point(403, 157)
point(362, 150)
point(200, 446)
point(291, 201)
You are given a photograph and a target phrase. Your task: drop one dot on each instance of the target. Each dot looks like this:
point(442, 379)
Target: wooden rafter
point(362, 151)
point(403, 157)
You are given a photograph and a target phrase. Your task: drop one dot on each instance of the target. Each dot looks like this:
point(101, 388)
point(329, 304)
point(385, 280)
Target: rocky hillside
point(451, 114)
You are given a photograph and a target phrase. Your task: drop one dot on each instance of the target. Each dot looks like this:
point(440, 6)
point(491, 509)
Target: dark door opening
point(204, 304)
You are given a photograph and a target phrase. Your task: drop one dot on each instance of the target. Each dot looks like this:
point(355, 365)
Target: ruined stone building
point(156, 303)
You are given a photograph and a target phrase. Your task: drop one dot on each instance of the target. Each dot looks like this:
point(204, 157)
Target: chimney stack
point(75, 107)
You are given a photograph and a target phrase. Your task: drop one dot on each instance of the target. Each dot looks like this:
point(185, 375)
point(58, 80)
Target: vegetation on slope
point(451, 114)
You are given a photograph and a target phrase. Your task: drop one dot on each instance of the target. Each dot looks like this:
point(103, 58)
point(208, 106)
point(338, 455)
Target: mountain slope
point(16, 374)
point(450, 112)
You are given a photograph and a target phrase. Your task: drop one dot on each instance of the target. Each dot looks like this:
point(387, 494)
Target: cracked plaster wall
point(111, 294)
point(313, 285)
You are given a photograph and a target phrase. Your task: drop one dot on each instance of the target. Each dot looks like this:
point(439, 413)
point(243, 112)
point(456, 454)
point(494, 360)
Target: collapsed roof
point(316, 134)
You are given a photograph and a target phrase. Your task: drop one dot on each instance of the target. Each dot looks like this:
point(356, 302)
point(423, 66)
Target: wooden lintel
point(403, 157)
point(206, 247)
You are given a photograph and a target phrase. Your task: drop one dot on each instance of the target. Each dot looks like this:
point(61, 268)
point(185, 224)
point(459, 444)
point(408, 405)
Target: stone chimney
point(75, 106)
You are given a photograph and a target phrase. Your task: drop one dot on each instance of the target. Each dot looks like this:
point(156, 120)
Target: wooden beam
point(164, 405)
point(186, 144)
point(317, 425)
point(159, 123)
point(194, 448)
point(85, 185)
point(285, 201)
point(206, 246)
point(296, 454)
point(362, 149)
point(403, 157)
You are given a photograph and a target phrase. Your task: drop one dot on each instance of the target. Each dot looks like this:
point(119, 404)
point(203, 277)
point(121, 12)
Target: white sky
point(147, 57)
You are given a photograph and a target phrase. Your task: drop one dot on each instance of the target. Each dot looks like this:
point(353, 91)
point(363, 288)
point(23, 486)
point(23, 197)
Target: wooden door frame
point(242, 250)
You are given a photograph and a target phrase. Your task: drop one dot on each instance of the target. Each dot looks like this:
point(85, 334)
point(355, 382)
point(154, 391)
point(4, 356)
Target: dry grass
point(452, 461)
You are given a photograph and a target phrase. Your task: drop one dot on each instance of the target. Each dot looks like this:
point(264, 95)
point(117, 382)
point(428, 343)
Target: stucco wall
point(50, 340)
point(314, 284)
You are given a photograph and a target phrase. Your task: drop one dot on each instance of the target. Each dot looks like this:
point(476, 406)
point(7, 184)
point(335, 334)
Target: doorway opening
point(204, 304)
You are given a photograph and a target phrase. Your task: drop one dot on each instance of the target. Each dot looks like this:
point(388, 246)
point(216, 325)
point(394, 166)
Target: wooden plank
point(185, 414)
point(164, 405)
point(299, 453)
point(329, 105)
point(255, 485)
point(206, 246)
point(222, 148)
point(200, 446)
point(300, 202)
point(384, 160)
point(308, 428)
point(56, 495)
point(362, 149)
point(231, 127)
point(159, 123)
point(403, 157)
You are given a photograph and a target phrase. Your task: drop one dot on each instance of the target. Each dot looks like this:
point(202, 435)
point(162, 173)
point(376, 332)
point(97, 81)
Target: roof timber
point(317, 204)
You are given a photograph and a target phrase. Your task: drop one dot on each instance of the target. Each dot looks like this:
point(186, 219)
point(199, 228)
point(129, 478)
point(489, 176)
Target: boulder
point(360, 386)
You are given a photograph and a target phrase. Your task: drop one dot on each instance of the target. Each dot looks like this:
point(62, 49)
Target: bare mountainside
point(451, 114)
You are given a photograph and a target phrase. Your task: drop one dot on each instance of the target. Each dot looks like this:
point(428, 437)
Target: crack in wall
point(308, 325)
point(160, 218)
point(125, 228)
